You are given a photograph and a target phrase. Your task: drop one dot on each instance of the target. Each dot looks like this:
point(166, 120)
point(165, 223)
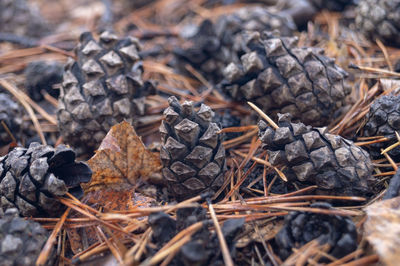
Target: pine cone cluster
point(379, 19)
point(338, 232)
point(204, 247)
point(10, 120)
point(21, 240)
point(383, 119)
point(215, 45)
point(102, 88)
point(312, 156)
point(281, 78)
point(18, 17)
point(30, 179)
point(192, 152)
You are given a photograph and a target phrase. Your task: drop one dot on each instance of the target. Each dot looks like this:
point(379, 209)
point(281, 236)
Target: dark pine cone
point(42, 75)
point(30, 179)
point(216, 45)
point(18, 17)
point(192, 151)
point(204, 247)
point(11, 116)
point(281, 78)
point(102, 88)
point(21, 240)
point(302, 227)
point(383, 119)
point(380, 19)
point(312, 156)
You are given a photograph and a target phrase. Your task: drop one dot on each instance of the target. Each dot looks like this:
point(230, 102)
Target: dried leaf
point(121, 160)
point(382, 229)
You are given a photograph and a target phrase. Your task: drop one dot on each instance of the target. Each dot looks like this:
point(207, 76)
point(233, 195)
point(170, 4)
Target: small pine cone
point(216, 45)
point(383, 119)
point(280, 77)
point(21, 240)
point(380, 19)
point(11, 115)
point(312, 156)
point(102, 88)
point(30, 179)
point(41, 76)
point(192, 152)
point(18, 17)
point(338, 232)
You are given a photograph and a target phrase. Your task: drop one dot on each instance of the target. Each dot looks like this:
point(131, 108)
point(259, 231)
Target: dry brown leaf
point(121, 160)
point(382, 229)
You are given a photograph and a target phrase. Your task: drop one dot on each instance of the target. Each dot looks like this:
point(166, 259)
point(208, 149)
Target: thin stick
point(224, 247)
point(263, 115)
point(8, 131)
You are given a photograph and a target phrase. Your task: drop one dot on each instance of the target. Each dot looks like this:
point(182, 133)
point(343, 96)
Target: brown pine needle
point(224, 247)
point(391, 147)
point(44, 254)
point(261, 161)
point(8, 131)
point(377, 70)
point(263, 115)
point(14, 91)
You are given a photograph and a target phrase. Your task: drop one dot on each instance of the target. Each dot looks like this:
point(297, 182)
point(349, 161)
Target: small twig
point(8, 131)
point(372, 69)
point(224, 247)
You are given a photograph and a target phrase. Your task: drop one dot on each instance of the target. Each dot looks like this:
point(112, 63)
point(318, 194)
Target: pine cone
point(11, 115)
point(380, 19)
point(42, 75)
point(18, 17)
point(216, 45)
point(102, 88)
point(31, 178)
point(312, 156)
point(192, 151)
point(301, 227)
point(21, 240)
point(279, 77)
point(383, 119)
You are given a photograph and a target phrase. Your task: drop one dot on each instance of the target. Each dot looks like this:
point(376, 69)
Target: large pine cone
point(21, 240)
point(312, 156)
point(216, 45)
point(383, 119)
point(192, 151)
point(31, 178)
point(380, 19)
point(18, 17)
point(280, 78)
point(302, 227)
point(102, 88)
point(11, 115)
